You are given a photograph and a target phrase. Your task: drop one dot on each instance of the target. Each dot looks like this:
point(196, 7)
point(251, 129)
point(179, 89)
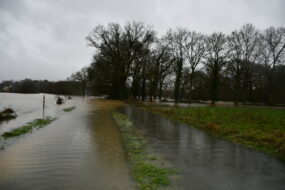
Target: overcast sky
point(45, 39)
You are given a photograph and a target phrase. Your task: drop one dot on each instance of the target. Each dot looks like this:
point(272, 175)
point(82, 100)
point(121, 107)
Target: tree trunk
point(214, 86)
point(237, 89)
point(178, 80)
point(190, 86)
point(269, 91)
point(135, 86)
point(154, 90)
point(160, 89)
point(150, 91)
point(119, 90)
point(143, 89)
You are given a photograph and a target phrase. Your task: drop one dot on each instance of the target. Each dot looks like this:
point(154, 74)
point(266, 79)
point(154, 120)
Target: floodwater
point(29, 107)
point(80, 150)
point(206, 162)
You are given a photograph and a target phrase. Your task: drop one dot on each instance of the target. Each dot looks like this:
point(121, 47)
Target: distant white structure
point(7, 89)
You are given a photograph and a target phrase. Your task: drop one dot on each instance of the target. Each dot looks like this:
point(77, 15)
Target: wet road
point(80, 150)
point(206, 162)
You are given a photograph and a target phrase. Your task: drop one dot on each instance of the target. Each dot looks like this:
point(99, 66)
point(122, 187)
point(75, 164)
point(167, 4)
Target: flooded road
point(80, 150)
point(206, 162)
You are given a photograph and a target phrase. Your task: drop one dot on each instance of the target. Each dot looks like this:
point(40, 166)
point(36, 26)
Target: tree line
point(245, 66)
point(132, 61)
point(43, 86)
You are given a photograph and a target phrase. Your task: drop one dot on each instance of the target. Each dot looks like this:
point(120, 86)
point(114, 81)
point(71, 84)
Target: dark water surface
point(207, 163)
point(81, 150)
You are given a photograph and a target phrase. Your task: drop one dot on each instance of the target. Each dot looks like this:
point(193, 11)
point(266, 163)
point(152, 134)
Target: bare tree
point(272, 54)
point(160, 65)
point(246, 66)
point(194, 47)
point(243, 45)
point(176, 40)
point(81, 76)
point(216, 53)
point(121, 47)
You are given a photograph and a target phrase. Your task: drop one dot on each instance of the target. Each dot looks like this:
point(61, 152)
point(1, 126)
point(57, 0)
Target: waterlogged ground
point(80, 150)
point(206, 162)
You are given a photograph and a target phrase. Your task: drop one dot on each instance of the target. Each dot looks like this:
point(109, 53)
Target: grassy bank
point(260, 129)
point(148, 171)
point(37, 123)
point(69, 109)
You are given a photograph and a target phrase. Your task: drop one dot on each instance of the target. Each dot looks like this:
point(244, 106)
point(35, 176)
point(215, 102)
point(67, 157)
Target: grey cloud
point(45, 39)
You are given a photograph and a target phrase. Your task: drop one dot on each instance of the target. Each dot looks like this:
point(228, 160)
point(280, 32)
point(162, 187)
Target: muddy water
point(80, 150)
point(206, 162)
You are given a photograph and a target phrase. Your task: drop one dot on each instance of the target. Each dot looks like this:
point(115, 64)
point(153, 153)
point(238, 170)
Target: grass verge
point(256, 128)
point(148, 172)
point(37, 123)
point(69, 109)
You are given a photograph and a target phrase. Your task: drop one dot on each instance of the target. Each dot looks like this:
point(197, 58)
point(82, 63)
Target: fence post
point(44, 104)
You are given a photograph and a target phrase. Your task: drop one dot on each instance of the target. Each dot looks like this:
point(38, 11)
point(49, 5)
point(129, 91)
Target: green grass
point(69, 109)
point(145, 168)
point(260, 129)
point(37, 123)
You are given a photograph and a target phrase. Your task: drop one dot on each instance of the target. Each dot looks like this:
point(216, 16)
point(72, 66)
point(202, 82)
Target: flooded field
point(30, 106)
point(206, 162)
point(80, 150)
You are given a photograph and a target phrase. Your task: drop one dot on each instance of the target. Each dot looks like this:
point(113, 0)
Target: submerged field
point(261, 129)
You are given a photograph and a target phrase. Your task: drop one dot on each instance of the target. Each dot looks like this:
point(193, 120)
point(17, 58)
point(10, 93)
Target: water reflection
point(217, 104)
point(207, 162)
